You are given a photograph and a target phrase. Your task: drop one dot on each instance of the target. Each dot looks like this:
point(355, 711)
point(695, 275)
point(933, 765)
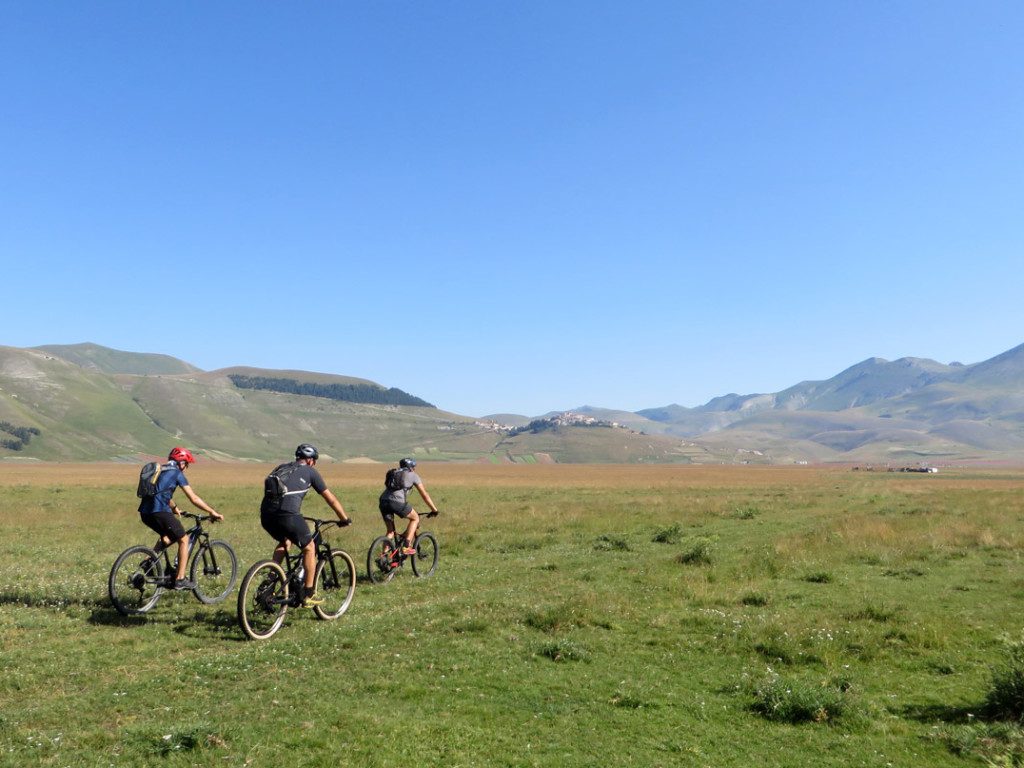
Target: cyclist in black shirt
point(281, 512)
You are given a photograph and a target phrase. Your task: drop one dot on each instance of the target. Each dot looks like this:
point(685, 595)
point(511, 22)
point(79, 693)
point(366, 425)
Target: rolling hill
point(82, 402)
point(87, 402)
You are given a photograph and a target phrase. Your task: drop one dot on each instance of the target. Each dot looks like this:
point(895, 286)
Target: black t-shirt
point(299, 482)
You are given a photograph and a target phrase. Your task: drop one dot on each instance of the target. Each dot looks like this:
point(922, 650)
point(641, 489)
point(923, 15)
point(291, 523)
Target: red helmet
point(181, 454)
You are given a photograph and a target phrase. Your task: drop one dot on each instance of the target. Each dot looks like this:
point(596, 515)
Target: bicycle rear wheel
point(335, 583)
point(136, 580)
point(424, 562)
point(214, 570)
point(263, 600)
point(379, 564)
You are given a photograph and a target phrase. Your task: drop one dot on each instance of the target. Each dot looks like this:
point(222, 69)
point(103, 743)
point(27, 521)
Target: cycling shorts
point(291, 527)
point(389, 508)
point(165, 524)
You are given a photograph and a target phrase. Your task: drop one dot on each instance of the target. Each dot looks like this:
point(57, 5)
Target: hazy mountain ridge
point(90, 402)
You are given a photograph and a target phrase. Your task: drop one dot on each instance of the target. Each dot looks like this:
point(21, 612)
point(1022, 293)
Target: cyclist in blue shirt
point(160, 513)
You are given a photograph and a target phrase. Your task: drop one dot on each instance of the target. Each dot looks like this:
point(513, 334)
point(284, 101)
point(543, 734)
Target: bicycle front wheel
point(380, 566)
point(424, 562)
point(136, 580)
point(263, 600)
point(214, 571)
point(335, 583)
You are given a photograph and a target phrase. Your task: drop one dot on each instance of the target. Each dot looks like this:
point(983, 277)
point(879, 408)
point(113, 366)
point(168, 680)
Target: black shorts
point(165, 524)
point(291, 527)
point(389, 508)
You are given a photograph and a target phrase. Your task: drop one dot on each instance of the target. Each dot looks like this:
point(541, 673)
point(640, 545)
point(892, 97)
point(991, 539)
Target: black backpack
point(276, 484)
point(394, 480)
point(147, 479)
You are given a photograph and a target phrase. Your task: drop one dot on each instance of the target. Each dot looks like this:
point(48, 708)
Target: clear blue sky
point(517, 206)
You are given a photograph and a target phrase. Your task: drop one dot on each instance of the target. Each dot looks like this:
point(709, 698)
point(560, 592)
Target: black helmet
point(407, 463)
point(306, 451)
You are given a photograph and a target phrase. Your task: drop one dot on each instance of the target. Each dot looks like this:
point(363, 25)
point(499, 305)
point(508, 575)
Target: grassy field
point(580, 615)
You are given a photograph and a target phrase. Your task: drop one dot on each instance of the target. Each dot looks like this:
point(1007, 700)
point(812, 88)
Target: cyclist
point(281, 515)
point(394, 501)
point(160, 513)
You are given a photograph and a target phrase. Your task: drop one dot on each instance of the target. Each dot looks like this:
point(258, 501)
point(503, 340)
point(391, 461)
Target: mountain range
point(88, 402)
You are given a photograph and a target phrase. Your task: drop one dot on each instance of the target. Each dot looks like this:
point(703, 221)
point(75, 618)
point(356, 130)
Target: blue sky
point(517, 206)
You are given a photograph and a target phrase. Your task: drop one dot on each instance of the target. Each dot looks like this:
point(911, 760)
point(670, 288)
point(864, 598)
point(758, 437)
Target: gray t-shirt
point(409, 479)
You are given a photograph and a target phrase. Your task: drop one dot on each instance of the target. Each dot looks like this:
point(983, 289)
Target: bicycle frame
point(195, 534)
point(293, 565)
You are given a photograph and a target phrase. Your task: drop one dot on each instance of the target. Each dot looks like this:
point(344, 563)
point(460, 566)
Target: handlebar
point(322, 523)
point(195, 515)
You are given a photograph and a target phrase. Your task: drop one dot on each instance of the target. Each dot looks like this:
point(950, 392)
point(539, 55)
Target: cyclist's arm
point(197, 502)
point(333, 503)
point(426, 497)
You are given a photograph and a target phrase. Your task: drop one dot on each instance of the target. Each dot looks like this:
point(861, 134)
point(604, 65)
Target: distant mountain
point(87, 402)
point(908, 408)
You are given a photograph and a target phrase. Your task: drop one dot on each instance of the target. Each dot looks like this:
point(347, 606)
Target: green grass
point(572, 621)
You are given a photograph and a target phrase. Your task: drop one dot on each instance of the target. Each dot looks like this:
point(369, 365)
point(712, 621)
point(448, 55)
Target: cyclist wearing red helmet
point(159, 511)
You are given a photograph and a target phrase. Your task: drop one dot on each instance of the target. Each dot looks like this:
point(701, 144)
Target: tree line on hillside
point(22, 436)
point(349, 393)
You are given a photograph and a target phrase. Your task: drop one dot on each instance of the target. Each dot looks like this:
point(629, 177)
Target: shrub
point(696, 551)
point(670, 535)
point(607, 543)
point(819, 577)
point(799, 701)
point(1005, 699)
point(564, 650)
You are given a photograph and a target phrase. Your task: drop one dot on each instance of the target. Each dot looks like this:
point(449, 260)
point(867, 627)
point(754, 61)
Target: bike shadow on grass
point(203, 622)
point(199, 621)
point(20, 599)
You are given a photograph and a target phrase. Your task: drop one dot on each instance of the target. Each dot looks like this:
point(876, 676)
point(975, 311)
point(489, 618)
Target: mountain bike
point(268, 590)
point(139, 575)
point(385, 557)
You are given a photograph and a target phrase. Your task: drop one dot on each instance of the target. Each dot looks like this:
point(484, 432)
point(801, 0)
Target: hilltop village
point(566, 419)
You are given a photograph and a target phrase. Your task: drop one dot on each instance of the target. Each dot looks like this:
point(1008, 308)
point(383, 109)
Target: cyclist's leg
point(309, 562)
point(170, 529)
point(413, 520)
point(280, 550)
point(182, 557)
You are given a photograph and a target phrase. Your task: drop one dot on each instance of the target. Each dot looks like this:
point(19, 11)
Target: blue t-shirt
point(171, 478)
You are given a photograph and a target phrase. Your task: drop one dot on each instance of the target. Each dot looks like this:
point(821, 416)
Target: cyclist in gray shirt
point(394, 501)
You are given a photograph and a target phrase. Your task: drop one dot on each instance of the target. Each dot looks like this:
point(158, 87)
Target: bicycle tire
point(424, 562)
point(263, 600)
point(134, 589)
point(379, 565)
point(214, 570)
point(335, 583)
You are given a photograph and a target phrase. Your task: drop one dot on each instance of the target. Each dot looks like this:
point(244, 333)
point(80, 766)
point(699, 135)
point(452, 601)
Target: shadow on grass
point(943, 713)
point(50, 602)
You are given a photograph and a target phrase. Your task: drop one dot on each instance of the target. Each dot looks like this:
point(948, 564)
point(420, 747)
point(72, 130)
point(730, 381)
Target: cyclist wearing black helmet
point(281, 511)
point(394, 501)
